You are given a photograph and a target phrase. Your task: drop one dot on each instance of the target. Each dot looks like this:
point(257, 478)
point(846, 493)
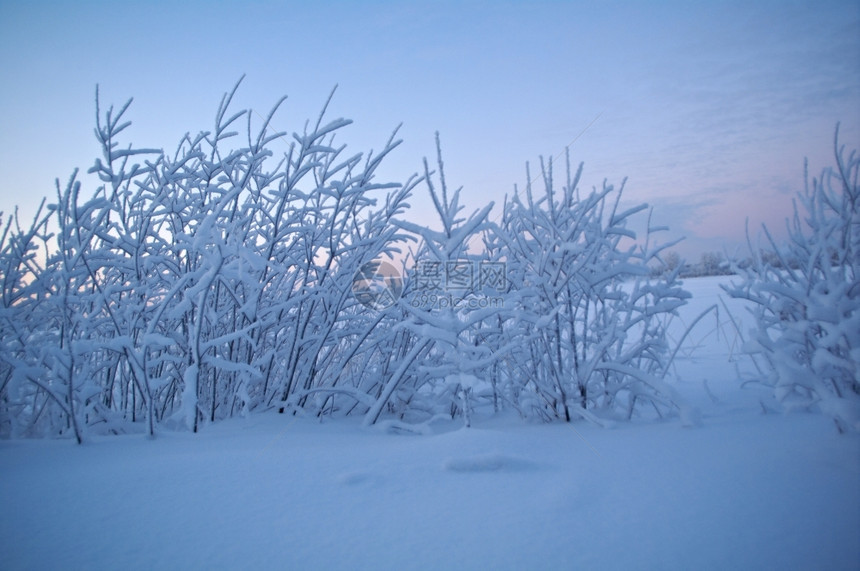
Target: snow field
point(745, 490)
point(759, 492)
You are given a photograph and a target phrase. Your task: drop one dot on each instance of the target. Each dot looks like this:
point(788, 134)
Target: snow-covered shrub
point(806, 298)
point(415, 360)
point(218, 280)
point(192, 285)
point(581, 327)
point(585, 323)
point(30, 403)
point(445, 363)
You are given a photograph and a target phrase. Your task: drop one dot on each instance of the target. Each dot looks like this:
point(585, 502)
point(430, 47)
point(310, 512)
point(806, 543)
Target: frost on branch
point(215, 279)
point(193, 284)
point(585, 325)
point(806, 298)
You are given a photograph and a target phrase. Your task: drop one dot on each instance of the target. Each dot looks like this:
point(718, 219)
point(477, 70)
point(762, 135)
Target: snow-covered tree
point(217, 280)
point(191, 286)
point(806, 297)
point(441, 360)
point(587, 322)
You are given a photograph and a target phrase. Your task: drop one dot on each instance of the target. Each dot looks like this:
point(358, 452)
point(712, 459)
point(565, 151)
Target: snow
point(748, 488)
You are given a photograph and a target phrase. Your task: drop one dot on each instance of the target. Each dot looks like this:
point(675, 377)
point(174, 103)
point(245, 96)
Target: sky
point(709, 109)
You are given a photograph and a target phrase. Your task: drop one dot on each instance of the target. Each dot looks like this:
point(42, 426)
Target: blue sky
point(708, 108)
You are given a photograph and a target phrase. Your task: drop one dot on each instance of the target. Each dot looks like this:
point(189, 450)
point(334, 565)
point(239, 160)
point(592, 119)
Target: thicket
point(805, 297)
point(217, 280)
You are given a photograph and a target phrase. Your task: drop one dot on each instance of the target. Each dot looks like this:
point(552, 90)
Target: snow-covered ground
point(748, 489)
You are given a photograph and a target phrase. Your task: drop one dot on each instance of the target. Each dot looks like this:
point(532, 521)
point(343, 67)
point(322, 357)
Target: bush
point(218, 280)
point(806, 298)
point(586, 322)
point(190, 286)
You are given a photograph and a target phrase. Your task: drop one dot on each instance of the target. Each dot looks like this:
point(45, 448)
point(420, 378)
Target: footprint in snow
point(358, 479)
point(487, 463)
